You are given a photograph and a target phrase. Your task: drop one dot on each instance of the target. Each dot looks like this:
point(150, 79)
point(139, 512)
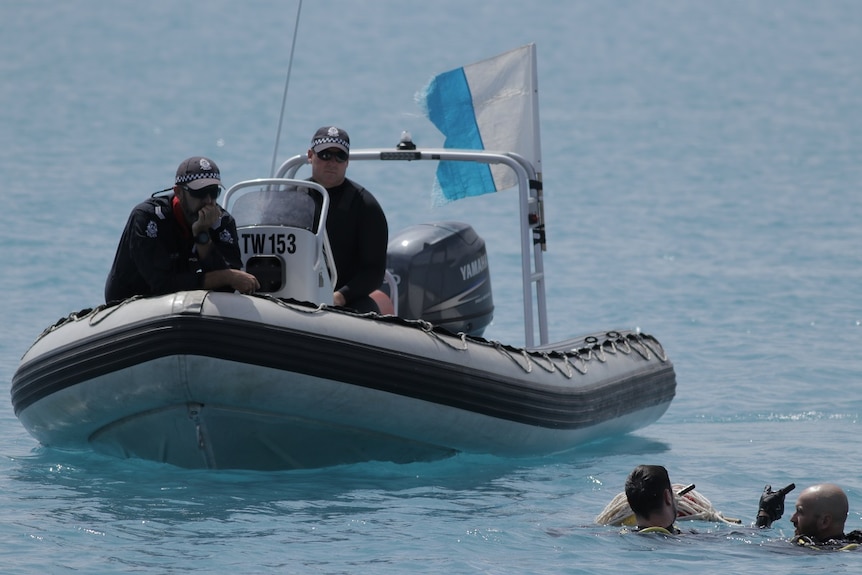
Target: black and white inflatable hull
point(216, 380)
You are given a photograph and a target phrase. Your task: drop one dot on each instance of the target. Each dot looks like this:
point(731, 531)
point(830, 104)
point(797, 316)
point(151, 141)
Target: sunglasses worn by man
point(339, 156)
point(211, 191)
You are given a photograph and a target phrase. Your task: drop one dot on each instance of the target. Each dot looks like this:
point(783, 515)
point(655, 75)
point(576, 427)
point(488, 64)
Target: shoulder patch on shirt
point(152, 230)
point(226, 237)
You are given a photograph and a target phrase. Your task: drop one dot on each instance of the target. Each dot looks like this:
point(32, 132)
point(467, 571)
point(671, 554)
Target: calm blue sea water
point(702, 166)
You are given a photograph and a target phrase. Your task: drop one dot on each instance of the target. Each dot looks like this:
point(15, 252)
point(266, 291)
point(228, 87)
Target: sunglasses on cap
point(339, 156)
point(211, 191)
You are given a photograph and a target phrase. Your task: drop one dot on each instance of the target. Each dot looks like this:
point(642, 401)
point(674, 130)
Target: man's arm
point(222, 261)
point(230, 278)
point(374, 231)
point(222, 252)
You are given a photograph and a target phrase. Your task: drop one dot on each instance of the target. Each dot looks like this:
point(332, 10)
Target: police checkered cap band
point(198, 172)
point(330, 137)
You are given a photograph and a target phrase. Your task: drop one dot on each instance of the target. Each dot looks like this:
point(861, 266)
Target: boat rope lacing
point(565, 361)
point(692, 506)
point(552, 367)
point(581, 366)
point(529, 360)
point(96, 318)
point(570, 357)
point(578, 358)
point(527, 366)
point(301, 307)
point(428, 328)
point(92, 313)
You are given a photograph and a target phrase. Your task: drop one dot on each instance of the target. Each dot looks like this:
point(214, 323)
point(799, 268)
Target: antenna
point(284, 96)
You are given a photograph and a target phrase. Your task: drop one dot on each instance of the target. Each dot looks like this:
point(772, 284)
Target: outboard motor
point(442, 274)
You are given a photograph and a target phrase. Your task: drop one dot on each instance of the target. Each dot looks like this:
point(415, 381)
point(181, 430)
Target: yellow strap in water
point(659, 530)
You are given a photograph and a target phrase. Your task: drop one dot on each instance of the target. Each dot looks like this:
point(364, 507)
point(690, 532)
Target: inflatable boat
point(282, 379)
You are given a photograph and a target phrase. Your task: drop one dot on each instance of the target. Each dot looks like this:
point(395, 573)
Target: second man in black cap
point(356, 225)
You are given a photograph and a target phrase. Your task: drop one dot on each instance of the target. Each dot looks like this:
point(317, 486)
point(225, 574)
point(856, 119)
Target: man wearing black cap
point(181, 242)
point(356, 226)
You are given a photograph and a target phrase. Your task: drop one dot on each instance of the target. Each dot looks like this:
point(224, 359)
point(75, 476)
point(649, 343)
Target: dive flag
point(489, 105)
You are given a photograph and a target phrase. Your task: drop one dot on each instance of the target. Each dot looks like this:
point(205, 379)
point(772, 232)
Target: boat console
point(282, 240)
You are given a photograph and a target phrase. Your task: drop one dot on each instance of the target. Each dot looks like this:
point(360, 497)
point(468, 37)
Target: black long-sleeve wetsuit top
point(358, 235)
point(156, 254)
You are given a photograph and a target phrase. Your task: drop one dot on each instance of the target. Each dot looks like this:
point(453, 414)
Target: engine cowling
point(443, 276)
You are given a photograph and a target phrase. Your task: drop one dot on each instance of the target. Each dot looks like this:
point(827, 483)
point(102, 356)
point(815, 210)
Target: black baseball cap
point(198, 172)
point(330, 137)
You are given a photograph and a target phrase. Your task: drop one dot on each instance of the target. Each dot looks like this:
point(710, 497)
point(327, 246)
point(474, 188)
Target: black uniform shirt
point(157, 255)
point(358, 235)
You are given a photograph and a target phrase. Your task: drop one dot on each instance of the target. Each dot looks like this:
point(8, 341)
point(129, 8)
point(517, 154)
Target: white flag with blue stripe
point(489, 105)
